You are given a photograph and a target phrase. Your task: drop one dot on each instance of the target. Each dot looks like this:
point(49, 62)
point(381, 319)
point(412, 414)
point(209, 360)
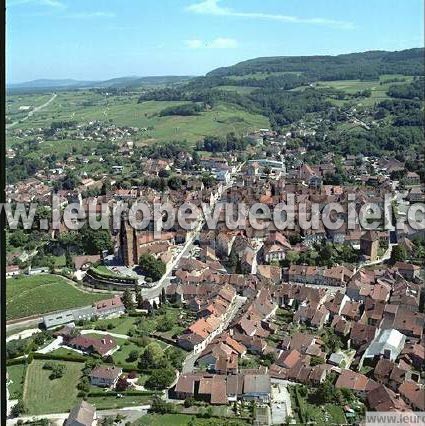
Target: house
point(356, 382)
point(104, 346)
point(64, 317)
point(185, 386)
point(362, 334)
point(369, 245)
point(257, 387)
point(413, 394)
point(83, 414)
point(275, 247)
point(107, 307)
point(412, 178)
point(12, 270)
point(381, 398)
point(82, 263)
point(388, 344)
point(105, 376)
point(408, 270)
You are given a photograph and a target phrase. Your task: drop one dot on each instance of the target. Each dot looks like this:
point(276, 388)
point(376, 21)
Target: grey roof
point(257, 383)
point(388, 340)
point(83, 413)
point(336, 358)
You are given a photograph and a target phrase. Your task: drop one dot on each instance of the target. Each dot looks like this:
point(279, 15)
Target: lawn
point(121, 325)
point(111, 402)
point(43, 396)
point(120, 356)
point(39, 294)
point(17, 377)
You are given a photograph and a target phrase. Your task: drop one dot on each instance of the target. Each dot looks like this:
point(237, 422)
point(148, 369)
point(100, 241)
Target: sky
point(102, 39)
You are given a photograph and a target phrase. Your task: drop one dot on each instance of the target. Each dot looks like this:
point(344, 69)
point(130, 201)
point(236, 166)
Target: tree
point(18, 409)
point(152, 357)
point(165, 324)
point(96, 240)
point(122, 384)
point(160, 379)
point(325, 392)
point(152, 267)
point(316, 360)
point(160, 406)
point(127, 299)
point(132, 356)
point(398, 254)
point(189, 401)
point(18, 238)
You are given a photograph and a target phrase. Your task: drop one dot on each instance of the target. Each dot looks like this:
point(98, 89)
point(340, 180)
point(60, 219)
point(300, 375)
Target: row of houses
point(103, 308)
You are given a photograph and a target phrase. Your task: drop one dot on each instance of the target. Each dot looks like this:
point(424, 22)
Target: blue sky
point(101, 39)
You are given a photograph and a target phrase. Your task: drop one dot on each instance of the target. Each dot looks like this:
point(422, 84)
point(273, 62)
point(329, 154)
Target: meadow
point(42, 395)
point(378, 88)
point(39, 294)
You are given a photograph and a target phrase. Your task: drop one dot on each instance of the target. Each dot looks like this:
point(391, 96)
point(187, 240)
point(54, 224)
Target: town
point(108, 323)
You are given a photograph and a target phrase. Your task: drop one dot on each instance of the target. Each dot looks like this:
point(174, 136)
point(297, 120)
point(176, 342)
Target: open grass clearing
point(43, 395)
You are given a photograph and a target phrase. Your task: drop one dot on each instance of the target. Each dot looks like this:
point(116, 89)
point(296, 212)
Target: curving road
point(31, 113)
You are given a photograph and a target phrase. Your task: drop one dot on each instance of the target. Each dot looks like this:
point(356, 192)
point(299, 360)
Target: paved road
point(153, 292)
point(31, 113)
point(56, 344)
point(118, 336)
point(23, 334)
point(189, 362)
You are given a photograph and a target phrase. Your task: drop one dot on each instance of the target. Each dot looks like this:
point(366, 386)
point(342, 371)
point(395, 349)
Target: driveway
point(56, 344)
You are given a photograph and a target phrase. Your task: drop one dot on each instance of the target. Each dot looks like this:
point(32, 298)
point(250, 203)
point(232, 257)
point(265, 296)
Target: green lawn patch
point(43, 396)
point(121, 325)
point(112, 401)
point(39, 294)
point(17, 378)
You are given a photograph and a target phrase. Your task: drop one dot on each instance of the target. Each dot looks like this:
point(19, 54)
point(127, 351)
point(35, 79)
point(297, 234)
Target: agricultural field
point(378, 88)
point(123, 110)
point(39, 294)
point(43, 395)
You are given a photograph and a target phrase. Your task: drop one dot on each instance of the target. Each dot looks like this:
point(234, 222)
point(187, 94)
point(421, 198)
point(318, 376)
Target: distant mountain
point(47, 83)
point(363, 65)
point(120, 82)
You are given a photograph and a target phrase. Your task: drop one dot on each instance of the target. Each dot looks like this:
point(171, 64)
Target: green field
point(43, 293)
point(16, 377)
point(378, 88)
point(121, 325)
point(43, 396)
point(85, 106)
